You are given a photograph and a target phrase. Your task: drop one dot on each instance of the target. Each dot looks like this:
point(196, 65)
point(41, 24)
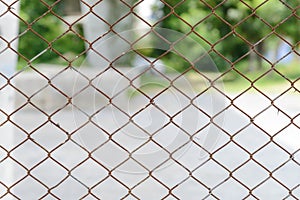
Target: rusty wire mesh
point(47, 161)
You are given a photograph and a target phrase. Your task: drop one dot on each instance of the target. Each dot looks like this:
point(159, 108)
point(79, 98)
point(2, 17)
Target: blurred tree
point(286, 23)
point(233, 28)
point(40, 29)
point(196, 19)
point(260, 20)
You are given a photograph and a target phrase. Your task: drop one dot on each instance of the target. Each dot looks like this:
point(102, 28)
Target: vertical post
point(107, 21)
point(9, 27)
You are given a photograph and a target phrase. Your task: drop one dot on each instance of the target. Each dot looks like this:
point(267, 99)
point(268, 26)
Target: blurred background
point(247, 40)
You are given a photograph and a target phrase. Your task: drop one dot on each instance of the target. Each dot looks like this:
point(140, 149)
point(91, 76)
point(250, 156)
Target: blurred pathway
point(230, 174)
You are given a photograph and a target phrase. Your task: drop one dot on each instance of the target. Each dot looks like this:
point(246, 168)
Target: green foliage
point(41, 29)
point(232, 27)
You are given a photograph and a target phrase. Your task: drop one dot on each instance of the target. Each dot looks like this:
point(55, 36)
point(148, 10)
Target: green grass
point(267, 79)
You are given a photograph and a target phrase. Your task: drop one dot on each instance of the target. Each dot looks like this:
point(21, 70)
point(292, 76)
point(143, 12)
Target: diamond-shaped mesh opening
point(287, 109)
point(276, 116)
point(8, 166)
point(136, 99)
point(245, 174)
point(146, 16)
point(288, 139)
point(283, 83)
point(251, 138)
point(247, 30)
point(217, 176)
point(232, 185)
point(96, 175)
point(21, 119)
point(34, 154)
point(58, 173)
point(63, 190)
point(149, 185)
point(265, 157)
point(277, 190)
point(286, 177)
point(236, 159)
point(189, 187)
point(252, 108)
point(66, 55)
point(207, 27)
point(280, 8)
point(69, 154)
point(228, 43)
point(285, 70)
point(110, 188)
point(36, 189)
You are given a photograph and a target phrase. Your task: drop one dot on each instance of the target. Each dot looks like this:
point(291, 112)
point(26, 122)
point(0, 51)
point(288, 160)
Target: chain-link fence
point(140, 99)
